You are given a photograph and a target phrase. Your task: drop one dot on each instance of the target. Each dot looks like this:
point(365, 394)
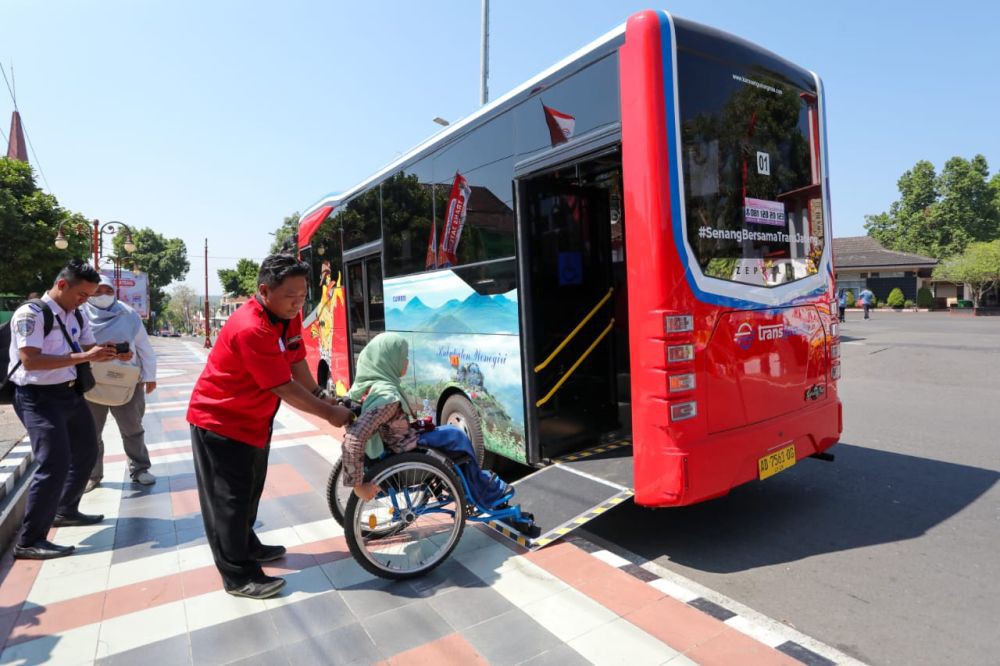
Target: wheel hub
point(459, 421)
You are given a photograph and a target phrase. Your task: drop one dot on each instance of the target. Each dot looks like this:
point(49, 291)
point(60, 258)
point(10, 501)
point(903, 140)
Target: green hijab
point(378, 375)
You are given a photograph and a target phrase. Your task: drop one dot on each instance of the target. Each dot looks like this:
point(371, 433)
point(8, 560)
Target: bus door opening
point(365, 306)
point(578, 343)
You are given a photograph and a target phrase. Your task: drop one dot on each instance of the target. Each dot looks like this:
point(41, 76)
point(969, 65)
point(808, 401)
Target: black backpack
point(48, 320)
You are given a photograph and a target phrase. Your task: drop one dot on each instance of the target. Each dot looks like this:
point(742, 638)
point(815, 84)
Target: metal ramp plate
point(572, 491)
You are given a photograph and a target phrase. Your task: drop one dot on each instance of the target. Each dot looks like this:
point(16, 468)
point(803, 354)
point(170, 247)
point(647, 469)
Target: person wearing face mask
point(113, 322)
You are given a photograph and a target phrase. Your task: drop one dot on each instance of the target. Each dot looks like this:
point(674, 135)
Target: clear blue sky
point(219, 118)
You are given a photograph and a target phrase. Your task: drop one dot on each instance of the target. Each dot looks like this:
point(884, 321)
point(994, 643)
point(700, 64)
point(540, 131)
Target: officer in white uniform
point(59, 424)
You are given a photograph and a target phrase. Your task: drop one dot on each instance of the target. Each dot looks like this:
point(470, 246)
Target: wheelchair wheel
point(414, 522)
point(337, 493)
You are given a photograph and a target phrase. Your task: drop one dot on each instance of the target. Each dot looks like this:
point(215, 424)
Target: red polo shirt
point(253, 354)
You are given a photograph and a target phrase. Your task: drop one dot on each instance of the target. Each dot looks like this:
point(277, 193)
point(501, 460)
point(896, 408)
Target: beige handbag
point(116, 383)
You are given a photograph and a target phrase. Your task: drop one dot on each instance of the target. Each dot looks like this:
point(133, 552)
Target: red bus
point(620, 270)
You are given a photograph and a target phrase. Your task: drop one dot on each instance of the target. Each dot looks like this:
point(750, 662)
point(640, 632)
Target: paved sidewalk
point(11, 430)
point(142, 587)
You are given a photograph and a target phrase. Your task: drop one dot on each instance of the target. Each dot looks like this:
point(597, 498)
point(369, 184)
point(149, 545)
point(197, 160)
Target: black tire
point(458, 411)
point(381, 474)
point(337, 493)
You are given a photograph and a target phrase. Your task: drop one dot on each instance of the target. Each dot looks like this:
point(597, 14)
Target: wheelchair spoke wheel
point(337, 494)
point(414, 522)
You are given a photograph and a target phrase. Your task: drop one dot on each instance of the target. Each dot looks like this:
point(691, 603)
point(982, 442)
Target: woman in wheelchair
point(386, 422)
point(413, 484)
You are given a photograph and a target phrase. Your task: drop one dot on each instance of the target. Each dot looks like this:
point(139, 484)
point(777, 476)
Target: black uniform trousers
point(64, 443)
point(230, 482)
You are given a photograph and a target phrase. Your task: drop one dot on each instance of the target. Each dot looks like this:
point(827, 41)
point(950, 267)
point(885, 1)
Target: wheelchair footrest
point(526, 525)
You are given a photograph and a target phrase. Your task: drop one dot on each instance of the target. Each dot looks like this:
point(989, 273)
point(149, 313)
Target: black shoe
point(76, 519)
point(42, 550)
point(269, 553)
point(262, 588)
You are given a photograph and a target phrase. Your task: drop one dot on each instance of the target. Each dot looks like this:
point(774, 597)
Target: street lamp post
point(97, 233)
point(116, 263)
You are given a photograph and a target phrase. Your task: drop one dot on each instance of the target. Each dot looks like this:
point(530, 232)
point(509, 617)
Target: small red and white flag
point(561, 125)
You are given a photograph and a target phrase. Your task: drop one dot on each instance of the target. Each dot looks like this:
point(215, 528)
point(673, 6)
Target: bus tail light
point(835, 372)
point(681, 411)
point(834, 329)
point(677, 383)
point(680, 353)
point(678, 323)
point(835, 350)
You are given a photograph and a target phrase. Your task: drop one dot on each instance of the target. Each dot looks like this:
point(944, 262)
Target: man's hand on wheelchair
point(340, 416)
point(366, 491)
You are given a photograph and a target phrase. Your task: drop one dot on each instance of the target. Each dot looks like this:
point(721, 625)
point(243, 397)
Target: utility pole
point(208, 326)
point(484, 91)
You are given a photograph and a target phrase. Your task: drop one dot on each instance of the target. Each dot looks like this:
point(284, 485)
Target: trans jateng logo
point(744, 336)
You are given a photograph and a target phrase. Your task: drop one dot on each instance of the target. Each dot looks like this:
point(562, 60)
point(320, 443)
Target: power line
point(4, 72)
point(5, 139)
point(35, 155)
point(24, 128)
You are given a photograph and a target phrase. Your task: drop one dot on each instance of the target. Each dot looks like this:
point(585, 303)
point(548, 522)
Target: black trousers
point(64, 443)
point(230, 482)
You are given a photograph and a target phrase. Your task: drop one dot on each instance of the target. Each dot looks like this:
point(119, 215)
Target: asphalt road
point(892, 553)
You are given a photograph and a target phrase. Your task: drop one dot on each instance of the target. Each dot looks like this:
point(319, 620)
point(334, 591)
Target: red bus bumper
point(666, 475)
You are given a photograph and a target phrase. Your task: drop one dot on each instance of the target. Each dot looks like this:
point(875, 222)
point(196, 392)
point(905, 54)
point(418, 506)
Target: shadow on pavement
point(866, 497)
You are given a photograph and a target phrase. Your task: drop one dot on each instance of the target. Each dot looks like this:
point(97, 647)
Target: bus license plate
point(773, 463)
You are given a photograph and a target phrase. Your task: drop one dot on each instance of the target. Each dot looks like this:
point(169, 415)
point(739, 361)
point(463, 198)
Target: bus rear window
point(751, 172)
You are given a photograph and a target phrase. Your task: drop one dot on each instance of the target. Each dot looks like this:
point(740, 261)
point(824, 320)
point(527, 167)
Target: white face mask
point(103, 301)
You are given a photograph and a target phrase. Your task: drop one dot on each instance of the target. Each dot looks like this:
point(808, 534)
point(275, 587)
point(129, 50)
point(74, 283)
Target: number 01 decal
point(763, 163)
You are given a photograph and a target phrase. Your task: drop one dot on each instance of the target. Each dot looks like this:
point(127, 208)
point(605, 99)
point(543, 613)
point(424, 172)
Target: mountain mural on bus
point(461, 337)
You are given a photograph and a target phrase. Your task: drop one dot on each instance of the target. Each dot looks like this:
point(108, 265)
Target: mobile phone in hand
point(121, 347)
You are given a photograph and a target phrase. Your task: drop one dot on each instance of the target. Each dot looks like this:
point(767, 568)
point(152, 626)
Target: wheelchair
point(417, 518)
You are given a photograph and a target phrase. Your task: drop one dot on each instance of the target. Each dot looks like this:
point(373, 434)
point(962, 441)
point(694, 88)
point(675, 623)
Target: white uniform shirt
point(27, 329)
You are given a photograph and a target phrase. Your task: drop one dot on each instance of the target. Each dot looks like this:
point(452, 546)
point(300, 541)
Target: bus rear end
point(733, 334)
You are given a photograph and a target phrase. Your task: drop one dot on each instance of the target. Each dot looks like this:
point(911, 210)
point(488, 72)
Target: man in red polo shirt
point(258, 361)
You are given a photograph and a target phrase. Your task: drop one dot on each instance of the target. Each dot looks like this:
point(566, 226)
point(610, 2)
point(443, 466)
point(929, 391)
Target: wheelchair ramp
point(572, 491)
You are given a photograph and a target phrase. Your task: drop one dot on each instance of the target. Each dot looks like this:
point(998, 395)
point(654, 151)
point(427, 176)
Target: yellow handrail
point(580, 360)
point(541, 366)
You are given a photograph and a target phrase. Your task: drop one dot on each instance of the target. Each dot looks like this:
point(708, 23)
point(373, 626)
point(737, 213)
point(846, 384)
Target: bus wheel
point(459, 412)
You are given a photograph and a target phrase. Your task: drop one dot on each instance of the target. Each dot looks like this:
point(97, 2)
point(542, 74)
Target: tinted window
point(752, 194)
point(483, 163)
point(361, 219)
point(407, 211)
point(576, 105)
point(489, 279)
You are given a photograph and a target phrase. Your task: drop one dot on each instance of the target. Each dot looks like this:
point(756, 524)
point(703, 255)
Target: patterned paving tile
point(144, 588)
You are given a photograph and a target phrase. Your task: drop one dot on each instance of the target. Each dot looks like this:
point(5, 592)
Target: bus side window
point(482, 164)
point(407, 211)
point(361, 219)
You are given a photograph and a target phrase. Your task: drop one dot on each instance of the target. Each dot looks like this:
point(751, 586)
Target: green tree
point(924, 298)
point(29, 220)
point(940, 214)
point(285, 233)
point(241, 281)
point(978, 267)
point(896, 299)
point(182, 306)
point(162, 259)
